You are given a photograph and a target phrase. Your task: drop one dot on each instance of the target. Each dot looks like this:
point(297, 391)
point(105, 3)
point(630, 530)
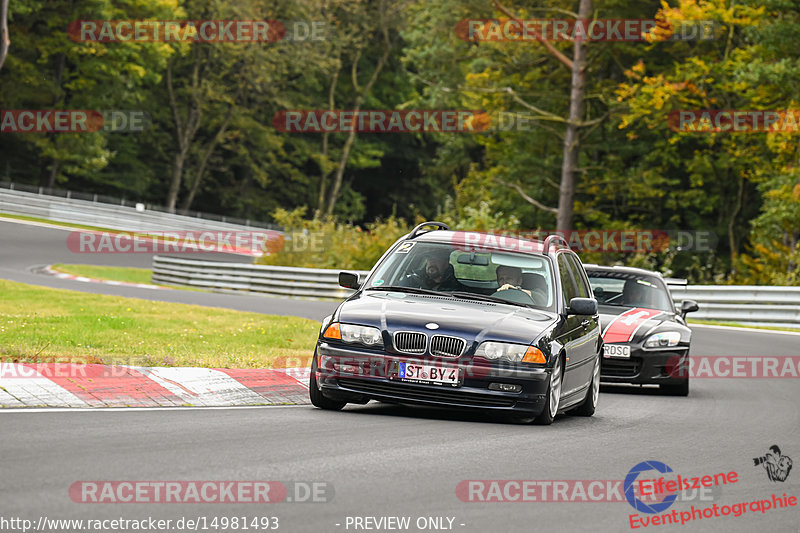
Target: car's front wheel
point(316, 396)
point(589, 404)
point(550, 410)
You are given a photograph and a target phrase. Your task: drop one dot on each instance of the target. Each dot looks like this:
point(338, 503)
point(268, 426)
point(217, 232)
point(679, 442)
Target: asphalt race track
point(381, 460)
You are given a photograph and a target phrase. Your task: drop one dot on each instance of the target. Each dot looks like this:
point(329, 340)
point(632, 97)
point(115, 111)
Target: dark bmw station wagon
point(462, 319)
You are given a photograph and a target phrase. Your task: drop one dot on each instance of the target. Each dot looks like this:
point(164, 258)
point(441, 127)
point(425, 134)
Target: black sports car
point(458, 319)
point(646, 340)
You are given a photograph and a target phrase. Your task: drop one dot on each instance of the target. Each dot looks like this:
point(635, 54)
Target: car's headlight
point(351, 333)
point(663, 340)
point(514, 353)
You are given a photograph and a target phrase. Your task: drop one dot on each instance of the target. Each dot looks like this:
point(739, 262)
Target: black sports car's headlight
point(514, 353)
point(350, 333)
point(663, 340)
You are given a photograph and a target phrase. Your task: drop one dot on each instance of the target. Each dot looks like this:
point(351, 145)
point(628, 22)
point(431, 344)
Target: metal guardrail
point(241, 277)
point(745, 304)
point(762, 306)
point(92, 210)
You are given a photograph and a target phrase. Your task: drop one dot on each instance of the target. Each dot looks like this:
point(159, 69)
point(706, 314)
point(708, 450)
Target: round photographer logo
point(630, 487)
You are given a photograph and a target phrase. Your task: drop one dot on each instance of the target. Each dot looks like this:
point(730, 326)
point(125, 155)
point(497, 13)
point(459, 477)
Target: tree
point(5, 41)
point(569, 163)
point(359, 25)
point(713, 175)
point(50, 71)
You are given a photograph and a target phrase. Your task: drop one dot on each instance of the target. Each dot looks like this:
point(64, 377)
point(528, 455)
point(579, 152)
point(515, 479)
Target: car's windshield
point(628, 289)
point(522, 279)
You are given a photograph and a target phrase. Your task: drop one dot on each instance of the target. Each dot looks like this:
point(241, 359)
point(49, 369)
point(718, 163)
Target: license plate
point(617, 350)
point(436, 375)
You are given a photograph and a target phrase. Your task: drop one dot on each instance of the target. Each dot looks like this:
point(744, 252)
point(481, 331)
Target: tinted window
point(580, 279)
point(626, 289)
point(567, 282)
point(443, 267)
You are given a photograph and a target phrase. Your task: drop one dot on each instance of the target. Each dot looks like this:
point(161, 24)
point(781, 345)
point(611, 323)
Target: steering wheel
point(614, 297)
point(515, 295)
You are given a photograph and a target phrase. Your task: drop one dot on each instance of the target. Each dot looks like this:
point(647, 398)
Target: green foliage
point(319, 243)
point(40, 324)
point(635, 172)
point(327, 243)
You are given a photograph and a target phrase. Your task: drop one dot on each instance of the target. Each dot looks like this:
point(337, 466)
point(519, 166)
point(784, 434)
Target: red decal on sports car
point(623, 328)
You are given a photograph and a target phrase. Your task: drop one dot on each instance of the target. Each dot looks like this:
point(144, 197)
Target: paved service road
point(382, 460)
point(23, 247)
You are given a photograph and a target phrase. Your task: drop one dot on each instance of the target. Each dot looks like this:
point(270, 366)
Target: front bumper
point(356, 375)
point(646, 367)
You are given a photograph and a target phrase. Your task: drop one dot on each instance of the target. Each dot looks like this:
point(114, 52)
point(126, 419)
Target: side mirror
point(688, 306)
point(349, 280)
point(582, 306)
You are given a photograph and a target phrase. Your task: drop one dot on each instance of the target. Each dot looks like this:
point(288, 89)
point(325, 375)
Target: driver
point(437, 274)
point(637, 293)
point(509, 277)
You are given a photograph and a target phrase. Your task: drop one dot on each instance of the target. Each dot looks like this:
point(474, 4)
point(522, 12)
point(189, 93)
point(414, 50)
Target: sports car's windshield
point(628, 289)
point(521, 279)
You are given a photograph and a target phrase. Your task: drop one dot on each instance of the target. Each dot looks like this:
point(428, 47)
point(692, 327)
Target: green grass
point(39, 324)
point(737, 325)
point(126, 274)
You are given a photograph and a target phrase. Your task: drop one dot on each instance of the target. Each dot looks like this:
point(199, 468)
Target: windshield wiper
point(412, 290)
point(485, 298)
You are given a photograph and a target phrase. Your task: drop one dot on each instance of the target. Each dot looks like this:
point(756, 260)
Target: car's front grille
point(444, 346)
point(404, 391)
point(617, 368)
point(410, 342)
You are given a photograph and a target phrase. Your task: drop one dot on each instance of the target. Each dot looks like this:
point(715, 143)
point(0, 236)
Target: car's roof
point(622, 269)
point(476, 240)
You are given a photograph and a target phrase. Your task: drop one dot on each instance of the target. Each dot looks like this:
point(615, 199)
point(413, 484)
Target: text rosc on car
point(463, 319)
point(646, 337)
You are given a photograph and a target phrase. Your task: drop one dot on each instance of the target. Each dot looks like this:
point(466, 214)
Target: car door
point(573, 328)
point(587, 344)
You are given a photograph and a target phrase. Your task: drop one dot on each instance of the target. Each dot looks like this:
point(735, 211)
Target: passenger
point(509, 277)
point(437, 274)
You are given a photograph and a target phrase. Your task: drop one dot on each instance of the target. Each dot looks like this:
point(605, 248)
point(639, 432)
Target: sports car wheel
point(317, 399)
point(587, 407)
point(681, 389)
point(553, 396)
